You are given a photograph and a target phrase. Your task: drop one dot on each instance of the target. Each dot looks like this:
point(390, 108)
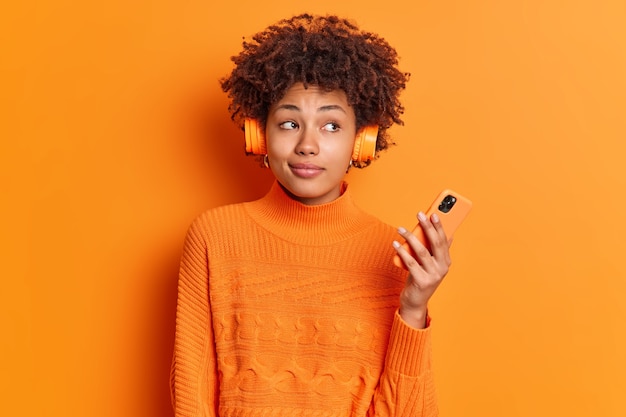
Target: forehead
point(313, 97)
point(312, 92)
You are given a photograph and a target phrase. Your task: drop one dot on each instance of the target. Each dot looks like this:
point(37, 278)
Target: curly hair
point(324, 51)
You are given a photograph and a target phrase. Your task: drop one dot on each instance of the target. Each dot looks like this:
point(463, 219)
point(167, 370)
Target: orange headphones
point(364, 144)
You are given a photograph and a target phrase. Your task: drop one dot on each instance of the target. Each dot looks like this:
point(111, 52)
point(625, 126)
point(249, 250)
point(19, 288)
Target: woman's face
point(310, 136)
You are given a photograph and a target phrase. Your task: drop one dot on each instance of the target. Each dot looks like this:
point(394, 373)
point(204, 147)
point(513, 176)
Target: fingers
point(422, 255)
point(433, 251)
point(436, 235)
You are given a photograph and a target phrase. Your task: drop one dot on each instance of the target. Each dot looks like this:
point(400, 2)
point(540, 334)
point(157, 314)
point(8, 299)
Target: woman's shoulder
point(217, 218)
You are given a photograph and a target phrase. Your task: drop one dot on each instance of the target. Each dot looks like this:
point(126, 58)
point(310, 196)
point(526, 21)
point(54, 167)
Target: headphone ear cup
point(365, 144)
point(255, 141)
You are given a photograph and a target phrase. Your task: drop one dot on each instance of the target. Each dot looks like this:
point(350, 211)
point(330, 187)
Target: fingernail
point(435, 218)
point(401, 230)
point(422, 217)
point(395, 244)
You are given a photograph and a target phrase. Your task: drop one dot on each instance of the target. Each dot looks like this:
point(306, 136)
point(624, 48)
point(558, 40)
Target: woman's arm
point(193, 381)
point(406, 387)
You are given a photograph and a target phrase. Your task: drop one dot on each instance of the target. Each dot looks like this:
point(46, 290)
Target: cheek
point(276, 147)
point(343, 150)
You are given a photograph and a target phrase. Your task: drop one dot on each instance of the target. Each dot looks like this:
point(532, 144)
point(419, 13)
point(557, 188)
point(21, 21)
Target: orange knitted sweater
point(291, 310)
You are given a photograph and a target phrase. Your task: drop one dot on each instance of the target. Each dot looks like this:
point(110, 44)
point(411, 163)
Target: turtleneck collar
point(320, 224)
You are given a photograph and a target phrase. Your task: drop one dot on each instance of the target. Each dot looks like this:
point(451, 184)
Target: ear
point(255, 139)
point(365, 144)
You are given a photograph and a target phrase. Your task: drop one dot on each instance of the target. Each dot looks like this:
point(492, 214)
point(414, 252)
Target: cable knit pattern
point(291, 310)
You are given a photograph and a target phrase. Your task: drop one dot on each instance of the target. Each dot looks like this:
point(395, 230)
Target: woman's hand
point(426, 270)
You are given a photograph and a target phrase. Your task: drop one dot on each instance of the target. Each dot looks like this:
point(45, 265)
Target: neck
point(318, 224)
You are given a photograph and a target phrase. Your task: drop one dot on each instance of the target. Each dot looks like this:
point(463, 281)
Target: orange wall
point(115, 135)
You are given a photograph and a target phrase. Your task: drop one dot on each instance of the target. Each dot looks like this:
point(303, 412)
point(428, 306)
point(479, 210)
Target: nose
point(307, 143)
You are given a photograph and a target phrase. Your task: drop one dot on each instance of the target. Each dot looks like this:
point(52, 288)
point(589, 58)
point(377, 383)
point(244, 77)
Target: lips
point(306, 170)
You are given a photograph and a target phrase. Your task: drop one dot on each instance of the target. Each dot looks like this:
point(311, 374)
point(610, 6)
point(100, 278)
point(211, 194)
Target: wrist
point(416, 318)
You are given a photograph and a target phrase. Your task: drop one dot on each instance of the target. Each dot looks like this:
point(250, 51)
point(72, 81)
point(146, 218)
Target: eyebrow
point(323, 108)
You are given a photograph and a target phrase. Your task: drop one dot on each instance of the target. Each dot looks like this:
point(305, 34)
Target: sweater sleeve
point(193, 378)
point(406, 387)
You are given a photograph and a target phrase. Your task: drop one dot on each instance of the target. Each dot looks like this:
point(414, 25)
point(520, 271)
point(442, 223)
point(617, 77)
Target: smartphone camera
point(447, 203)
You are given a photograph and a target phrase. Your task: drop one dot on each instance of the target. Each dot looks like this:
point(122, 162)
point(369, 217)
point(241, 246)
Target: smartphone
point(451, 207)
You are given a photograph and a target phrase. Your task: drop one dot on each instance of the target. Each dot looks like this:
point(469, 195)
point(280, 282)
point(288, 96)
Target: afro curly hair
point(324, 51)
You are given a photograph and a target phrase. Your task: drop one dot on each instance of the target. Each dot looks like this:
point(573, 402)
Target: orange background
point(115, 135)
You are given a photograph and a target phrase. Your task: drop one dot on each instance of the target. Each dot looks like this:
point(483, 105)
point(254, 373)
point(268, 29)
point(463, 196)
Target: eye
point(290, 125)
point(331, 127)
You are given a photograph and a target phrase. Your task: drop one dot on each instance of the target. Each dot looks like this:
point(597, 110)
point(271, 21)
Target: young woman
point(291, 305)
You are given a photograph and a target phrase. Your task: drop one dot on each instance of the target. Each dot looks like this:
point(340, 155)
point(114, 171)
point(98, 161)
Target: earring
point(266, 161)
point(349, 166)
